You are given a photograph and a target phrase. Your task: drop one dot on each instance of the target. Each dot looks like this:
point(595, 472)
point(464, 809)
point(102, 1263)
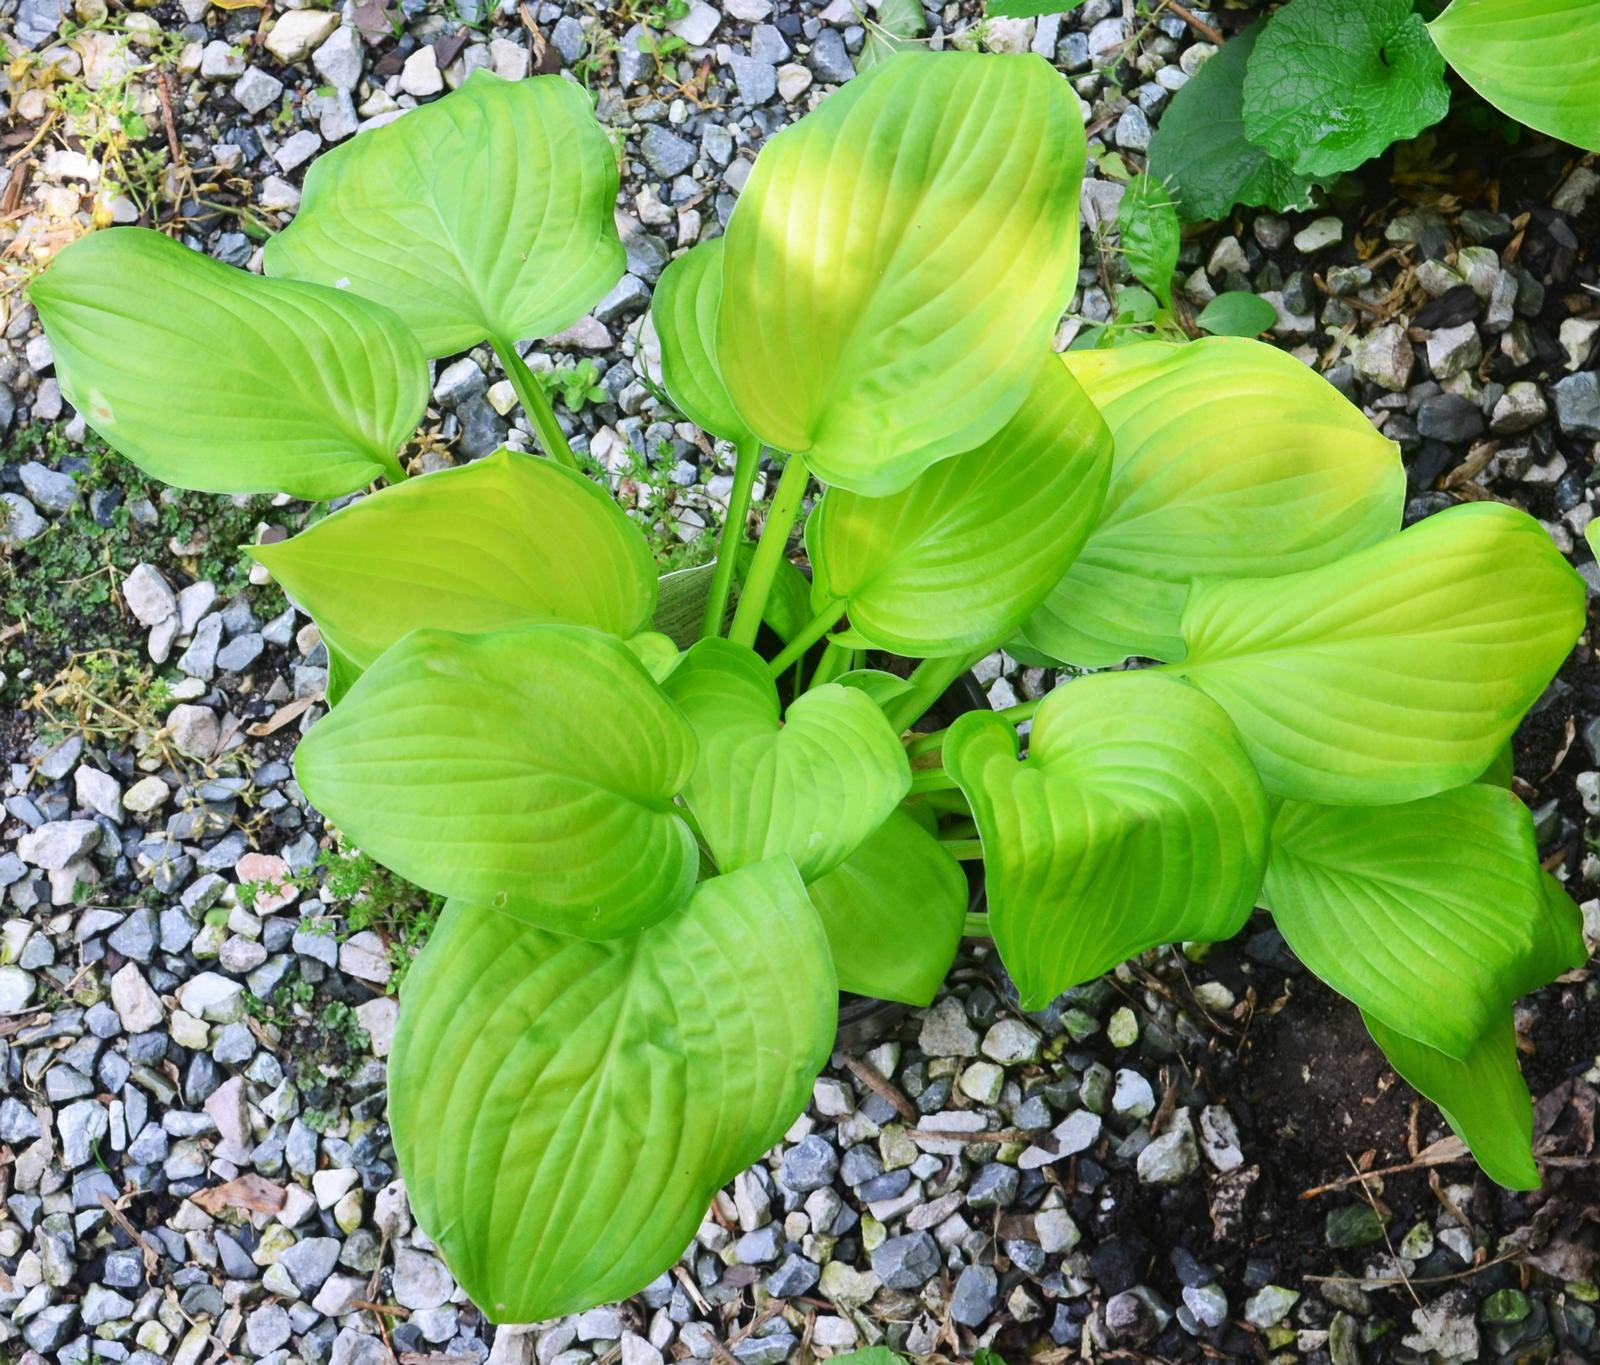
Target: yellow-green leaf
point(1397, 671)
point(1232, 459)
point(1536, 60)
point(508, 540)
point(564, 1110)
point(1135, 820)
point(211, 378)
point(485, 215)
point(898, 261)
point(960, 558)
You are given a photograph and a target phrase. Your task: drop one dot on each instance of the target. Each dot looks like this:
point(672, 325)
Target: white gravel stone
point(212, 997)
point(56, 845)
point(379, 1018)
point(300, 32)
point(149, 596)
point(98, 791)
point(137, 1006)
point(420, 75)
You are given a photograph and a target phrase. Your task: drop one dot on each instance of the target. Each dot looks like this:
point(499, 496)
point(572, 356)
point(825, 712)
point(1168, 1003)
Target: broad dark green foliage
point(1321, 86)
point(666, 850)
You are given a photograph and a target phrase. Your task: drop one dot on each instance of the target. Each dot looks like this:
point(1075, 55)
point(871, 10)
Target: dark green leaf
point(1200, 150)
point(1150, 233)
point(1331, 84)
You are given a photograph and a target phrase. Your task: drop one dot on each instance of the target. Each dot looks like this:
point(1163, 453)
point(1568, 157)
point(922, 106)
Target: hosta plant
point(669, 838)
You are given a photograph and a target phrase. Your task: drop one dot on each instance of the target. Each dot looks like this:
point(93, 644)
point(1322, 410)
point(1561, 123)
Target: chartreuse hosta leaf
point(1135, 820)
point(1536, 60)
point(1483, 1095)
point(684, 311)
point(1431, 916)
point(813, 784)
point(1231, 458)
point(485, 215)
point(509, 769)
point(1396, 672)
point(564, 1110)
point(214, 379)
point(1331, 84)
point(962, 556)
point(508, 540)
point(894, 911)
point(899, 260)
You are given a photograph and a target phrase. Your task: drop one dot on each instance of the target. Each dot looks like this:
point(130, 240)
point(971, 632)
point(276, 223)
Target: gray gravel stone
point(255, 90)
point(21, 522)
point(975, 1296)
point(53, 491)
point(830, 59)
point(665, 153)
point(310, 1262)
point(757, 81)
point(907, 1262)
point(1577, 403)
point(809, 1165)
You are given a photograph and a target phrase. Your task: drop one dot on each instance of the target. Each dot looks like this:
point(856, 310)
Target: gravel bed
point(197, 986)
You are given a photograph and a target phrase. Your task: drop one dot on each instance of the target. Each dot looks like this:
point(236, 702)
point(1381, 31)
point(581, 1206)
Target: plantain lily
point(668, 837)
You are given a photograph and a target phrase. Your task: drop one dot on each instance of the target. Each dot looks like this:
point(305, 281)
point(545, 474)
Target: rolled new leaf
point(508, 540)
point(485, 215)
point(1135, 820)
point(1398, 671)
point(961, 557)
point(813, 784)
point(1432, 916)
point(565, 1110)
point(1535, 60)
point(214, 379)
point(898, 262)
point(1232, 459)
point(508, 769)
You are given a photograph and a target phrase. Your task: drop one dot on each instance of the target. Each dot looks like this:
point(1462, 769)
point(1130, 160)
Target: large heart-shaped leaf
point(684, 311)
point(1232, 459)
point(960, 558)
point(894, 911)
point(1536, 60)
point(1200, 151)
point(1331, 84)
point(1396, 672)
point(531, 770)
point(565, 1110)
point(488, 214)
point(899, 260)
point(1482, 1096)
point(1431, 916)
point(508, 540)
point(1135, 820)
point(813, 785)
point(210, 378)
